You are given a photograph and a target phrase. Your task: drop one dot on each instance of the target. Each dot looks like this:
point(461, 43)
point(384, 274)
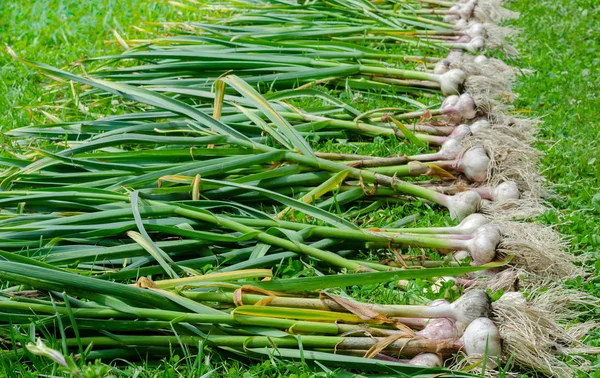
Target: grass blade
point(282, 124)
point(146, 242)
point(344, 280)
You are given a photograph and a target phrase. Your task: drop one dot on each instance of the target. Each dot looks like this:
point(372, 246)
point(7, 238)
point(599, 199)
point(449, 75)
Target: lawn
point(60, 33)
point(564, 51)
point(559, 41)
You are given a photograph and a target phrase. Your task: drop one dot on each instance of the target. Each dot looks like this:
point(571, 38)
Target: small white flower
point(40, 349)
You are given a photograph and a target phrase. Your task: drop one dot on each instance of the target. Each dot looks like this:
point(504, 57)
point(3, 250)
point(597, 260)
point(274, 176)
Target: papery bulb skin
point(481, 339)
point(472, 305)
point(506, 191)
point(481, 59)
point(480, 126)
point(471, 223)
point(466, 106)
point(427, 359)
point(476, 44)
point(454, 56)
point(461, 110)
point(514, 298)
point(461, 24)
point(460, 132)
point(438, 302)
point(450, 149)
point(464, 39)
point(464, 10)
point(464, 204)
point(441, 67)
point(475, 29)
point(475, 163)
point(451, 18)
point(449, 101)
point(439, 329)
point(451, 113)
point(482, 246)
point(451, 82)
point(452, 15)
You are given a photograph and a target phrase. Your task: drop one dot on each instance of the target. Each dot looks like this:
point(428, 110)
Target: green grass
point(60, 32)
point(565, 93)
point(559, 40)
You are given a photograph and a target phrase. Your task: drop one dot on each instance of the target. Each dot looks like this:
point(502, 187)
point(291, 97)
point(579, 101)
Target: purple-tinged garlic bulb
point(481, 59)
point(450, 149)
point(463, 10)
point(426, 359)
point(439, 329)
point(475, 29)
point(505, 191)
point(450, 101)
point(466, 105)
point(452, 15)
point(452, 81)
point(482, 247)
point(438, 302)
point(463, 204)
point(463, 39)
point(516, 298)
point(460, 24)
point(460, 132)
point(480, 126)
point(457, 110)
point(481, 339)
point(476, 44)
point(472, 305)
point(443, 65)
point(471, 224)
point(475, 163)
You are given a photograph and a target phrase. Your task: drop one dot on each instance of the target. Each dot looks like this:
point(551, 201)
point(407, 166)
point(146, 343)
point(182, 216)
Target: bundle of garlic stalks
point(372, 57)
point(244, 314)
point(194, 176)
point(271, 137)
